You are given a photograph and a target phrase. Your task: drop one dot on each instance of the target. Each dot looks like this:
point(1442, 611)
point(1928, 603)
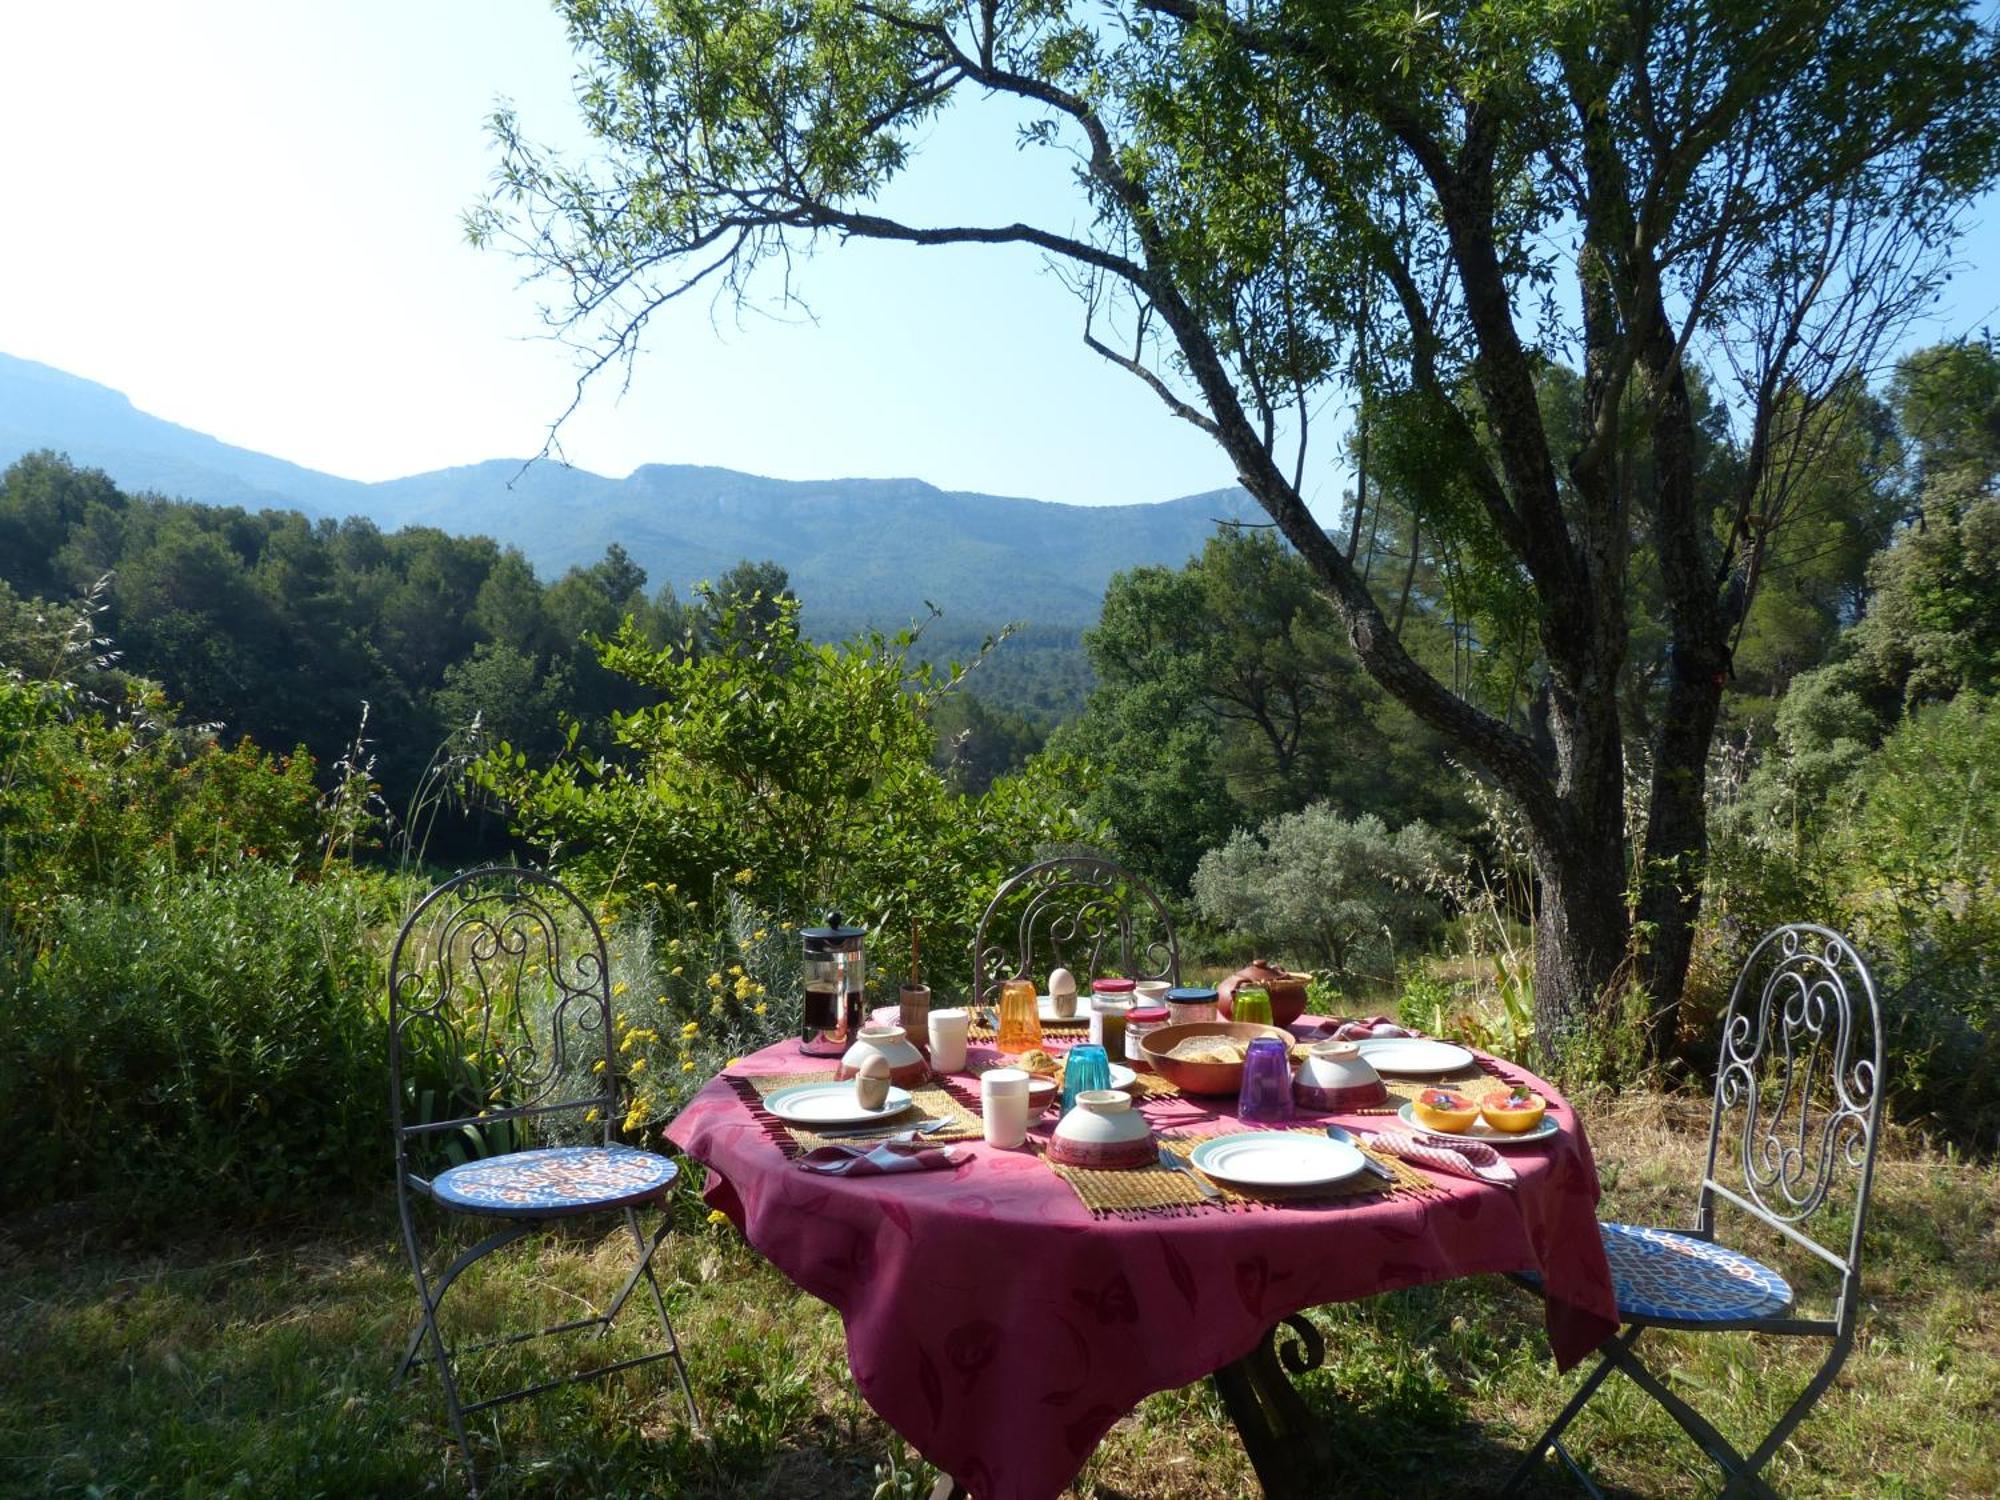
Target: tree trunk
point(1676, 848)
point(1580, 931)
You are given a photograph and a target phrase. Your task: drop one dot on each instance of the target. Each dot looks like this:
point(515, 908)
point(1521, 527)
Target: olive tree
point(1427, 206)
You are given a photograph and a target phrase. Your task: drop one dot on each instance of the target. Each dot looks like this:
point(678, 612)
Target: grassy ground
point(255, 1363)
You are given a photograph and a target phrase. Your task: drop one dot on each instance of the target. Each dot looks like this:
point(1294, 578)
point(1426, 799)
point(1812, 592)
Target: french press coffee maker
point(836, 974)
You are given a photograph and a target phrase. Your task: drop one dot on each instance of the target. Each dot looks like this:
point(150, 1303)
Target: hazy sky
point(245, 214)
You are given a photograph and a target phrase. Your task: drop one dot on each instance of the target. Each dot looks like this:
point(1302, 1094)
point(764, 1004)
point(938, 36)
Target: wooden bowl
point(1203, 1077)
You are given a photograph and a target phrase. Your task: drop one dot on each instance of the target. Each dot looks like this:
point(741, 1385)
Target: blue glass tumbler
point(1266, 1096)
point(1086, 1067)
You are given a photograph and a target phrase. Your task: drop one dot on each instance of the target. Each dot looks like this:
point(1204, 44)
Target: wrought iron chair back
point(500, 1028)
point(1798, 1095)
point(1076, 911)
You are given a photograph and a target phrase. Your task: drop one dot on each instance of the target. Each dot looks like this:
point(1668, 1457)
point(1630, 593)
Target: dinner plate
point(1413, 1054)
point(1277, 1158)
point(1480, 1130)
point(831, 1104)
point(1046, 1008)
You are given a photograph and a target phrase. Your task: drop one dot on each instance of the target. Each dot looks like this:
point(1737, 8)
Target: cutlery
point(926, 1127)
point(1351, 1138)
point(1174, 1164)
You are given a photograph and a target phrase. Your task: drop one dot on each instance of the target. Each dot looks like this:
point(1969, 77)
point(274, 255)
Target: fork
point(926, 1127)
point(1174, 1164)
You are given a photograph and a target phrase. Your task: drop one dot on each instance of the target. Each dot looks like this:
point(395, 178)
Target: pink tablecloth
point(1002, 1329)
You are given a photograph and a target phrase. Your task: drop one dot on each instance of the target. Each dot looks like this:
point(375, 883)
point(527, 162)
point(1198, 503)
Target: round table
point(1002, 1328)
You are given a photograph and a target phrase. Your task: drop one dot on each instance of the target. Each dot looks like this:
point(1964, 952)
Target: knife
point(1174, 1164)
point(1348, 1138)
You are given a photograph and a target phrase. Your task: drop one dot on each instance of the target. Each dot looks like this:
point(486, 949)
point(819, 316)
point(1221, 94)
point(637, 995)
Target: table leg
point(1277, 1430)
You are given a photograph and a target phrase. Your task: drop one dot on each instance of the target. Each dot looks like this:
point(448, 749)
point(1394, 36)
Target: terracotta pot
point(1287, 990)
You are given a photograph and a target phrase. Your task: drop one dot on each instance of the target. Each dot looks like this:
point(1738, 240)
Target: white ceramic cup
point(948, 1031)
point(1003, 1106)
point(1151, 991)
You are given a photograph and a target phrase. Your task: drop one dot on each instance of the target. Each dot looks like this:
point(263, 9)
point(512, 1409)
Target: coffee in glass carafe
point(836, 975)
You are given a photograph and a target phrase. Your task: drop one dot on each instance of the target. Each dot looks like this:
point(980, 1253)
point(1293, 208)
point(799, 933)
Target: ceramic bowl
point(1042, 1092)
point(1103, 1133)
point(907, 1067)
point(1203, 1077)
point(1336, 1077)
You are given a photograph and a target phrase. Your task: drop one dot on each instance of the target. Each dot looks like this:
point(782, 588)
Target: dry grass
point(243, 1362)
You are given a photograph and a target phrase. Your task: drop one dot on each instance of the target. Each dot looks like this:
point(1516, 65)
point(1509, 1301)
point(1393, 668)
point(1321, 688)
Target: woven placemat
point(931, 1102)
point(1072, 1030)
point(1159, 1192)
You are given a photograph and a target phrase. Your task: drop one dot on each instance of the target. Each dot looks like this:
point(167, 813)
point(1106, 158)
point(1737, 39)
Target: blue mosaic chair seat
point(554, 1181)
point(1663, 1277)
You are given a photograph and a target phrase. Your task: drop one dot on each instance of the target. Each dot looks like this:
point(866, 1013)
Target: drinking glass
point(1020, 1018)
point(1087, 1067)
point(948, 1032)
point(1251, 1003)
point(1266, 1097)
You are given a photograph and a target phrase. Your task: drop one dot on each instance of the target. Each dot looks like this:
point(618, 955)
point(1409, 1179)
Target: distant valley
point(859, 551)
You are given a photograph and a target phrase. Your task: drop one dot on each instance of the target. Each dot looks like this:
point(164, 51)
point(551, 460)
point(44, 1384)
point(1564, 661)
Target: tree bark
point(1581, 936)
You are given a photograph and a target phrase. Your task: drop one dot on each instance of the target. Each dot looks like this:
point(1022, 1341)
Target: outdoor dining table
point(1002, 1328)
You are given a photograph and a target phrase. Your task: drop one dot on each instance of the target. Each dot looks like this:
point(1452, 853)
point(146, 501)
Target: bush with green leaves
point(197, 1038)
point(796, 775)
point(1318, 888)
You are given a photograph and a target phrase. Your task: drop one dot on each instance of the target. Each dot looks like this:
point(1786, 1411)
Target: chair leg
point(1741, 1474)
point(1794, 1414)
point(447, 1377)
point(645, 1252)
point(1552, 1438)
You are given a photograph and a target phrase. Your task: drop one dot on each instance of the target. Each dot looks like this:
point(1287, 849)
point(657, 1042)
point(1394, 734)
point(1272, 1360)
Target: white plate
point(1277, 1158)
point(1046, 1008)
point(1480, 1130)
point(831, 1104)
point(1413, 1054)
point(1122, 1077)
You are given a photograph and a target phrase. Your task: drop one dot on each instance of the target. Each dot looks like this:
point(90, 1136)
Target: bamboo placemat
point(1071, 1030)
point(1159, 1192)
point(931, 1102)
point(1145, 1085)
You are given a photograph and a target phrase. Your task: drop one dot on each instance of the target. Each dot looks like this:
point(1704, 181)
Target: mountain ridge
point(859, 550)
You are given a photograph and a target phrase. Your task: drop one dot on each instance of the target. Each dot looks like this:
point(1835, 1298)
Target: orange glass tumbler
point(1020, 1018)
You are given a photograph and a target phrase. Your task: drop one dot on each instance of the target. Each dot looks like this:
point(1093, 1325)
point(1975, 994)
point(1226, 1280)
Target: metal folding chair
point(504, 1082)
point(1072, 911)
point(1801, 1065)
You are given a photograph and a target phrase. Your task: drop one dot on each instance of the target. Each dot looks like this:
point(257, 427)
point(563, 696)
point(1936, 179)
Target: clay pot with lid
point(1286, 989)
point(885, 1039)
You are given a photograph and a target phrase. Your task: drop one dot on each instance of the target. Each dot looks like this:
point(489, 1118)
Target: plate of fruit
point(1506, 1117)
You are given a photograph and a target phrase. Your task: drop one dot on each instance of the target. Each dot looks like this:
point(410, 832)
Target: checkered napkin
point(879, 1161)
point(1474, 1159)
point(1361, 1030)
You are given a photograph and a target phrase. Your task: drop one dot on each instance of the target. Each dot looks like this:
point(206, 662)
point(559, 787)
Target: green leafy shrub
point(794, 775)
point(1318, 887)
point(196, 1038)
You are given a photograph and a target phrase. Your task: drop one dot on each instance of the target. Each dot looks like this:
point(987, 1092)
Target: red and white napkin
point(879, 1161)
point(1363, 1029)
point(1474, 1159)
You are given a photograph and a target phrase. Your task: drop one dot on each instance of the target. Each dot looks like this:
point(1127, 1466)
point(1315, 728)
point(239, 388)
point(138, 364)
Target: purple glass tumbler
point(1266, 1097)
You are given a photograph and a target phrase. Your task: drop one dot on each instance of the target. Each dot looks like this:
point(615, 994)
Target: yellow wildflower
point(638, 1066)
point(591, 1118)
point(745, 987)
point(759, 935)
point(598, 1066)
point(786, 926)
point(737, 970)
point(688, 1066)
point(675, 971)
point(717, 1216)
point(672, 887)
point(715, 981)
point(733, 1062)
point(744, 877)
point(619, 988)
point(760, 1008)
point(689, 1028)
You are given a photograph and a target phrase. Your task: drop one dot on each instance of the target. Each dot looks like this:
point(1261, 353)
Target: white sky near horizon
point(245, 215)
